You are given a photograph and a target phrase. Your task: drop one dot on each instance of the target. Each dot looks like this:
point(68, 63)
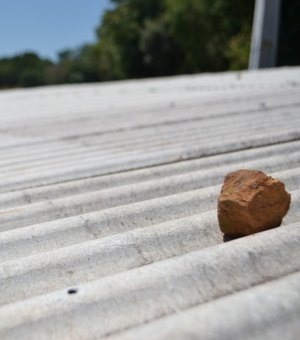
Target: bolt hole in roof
point(72, 291)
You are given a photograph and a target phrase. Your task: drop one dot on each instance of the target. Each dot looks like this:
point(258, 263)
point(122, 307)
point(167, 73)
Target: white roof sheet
point(108, 197)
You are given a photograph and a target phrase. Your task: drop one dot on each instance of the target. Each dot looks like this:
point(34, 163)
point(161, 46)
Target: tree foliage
point(146, 38)
point(23, 70)
point(141, 38)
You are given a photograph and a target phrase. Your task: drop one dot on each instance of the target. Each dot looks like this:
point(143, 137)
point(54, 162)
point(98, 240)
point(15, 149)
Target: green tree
point(161, 54)
point(148, 37)
point(120, 35)
point(206, 29)
point(145, 38)
point(23, 70)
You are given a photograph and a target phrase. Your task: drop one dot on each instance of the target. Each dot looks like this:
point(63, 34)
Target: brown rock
point(250, 201)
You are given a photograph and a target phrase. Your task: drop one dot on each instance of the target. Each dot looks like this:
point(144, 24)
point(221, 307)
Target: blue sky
point(48, 26)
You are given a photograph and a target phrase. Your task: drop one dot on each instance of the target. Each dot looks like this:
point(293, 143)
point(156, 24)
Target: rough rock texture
point(250, 201)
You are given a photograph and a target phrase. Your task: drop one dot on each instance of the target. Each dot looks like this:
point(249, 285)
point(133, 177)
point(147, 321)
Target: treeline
point(147, 38)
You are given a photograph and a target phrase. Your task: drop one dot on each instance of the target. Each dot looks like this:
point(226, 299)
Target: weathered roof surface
point(108, 198)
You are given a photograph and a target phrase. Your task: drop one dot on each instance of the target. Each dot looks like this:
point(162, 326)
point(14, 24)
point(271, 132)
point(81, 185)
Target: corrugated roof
point(108, 197)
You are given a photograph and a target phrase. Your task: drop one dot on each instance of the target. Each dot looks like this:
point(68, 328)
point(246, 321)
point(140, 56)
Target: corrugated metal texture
point(108, 198)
